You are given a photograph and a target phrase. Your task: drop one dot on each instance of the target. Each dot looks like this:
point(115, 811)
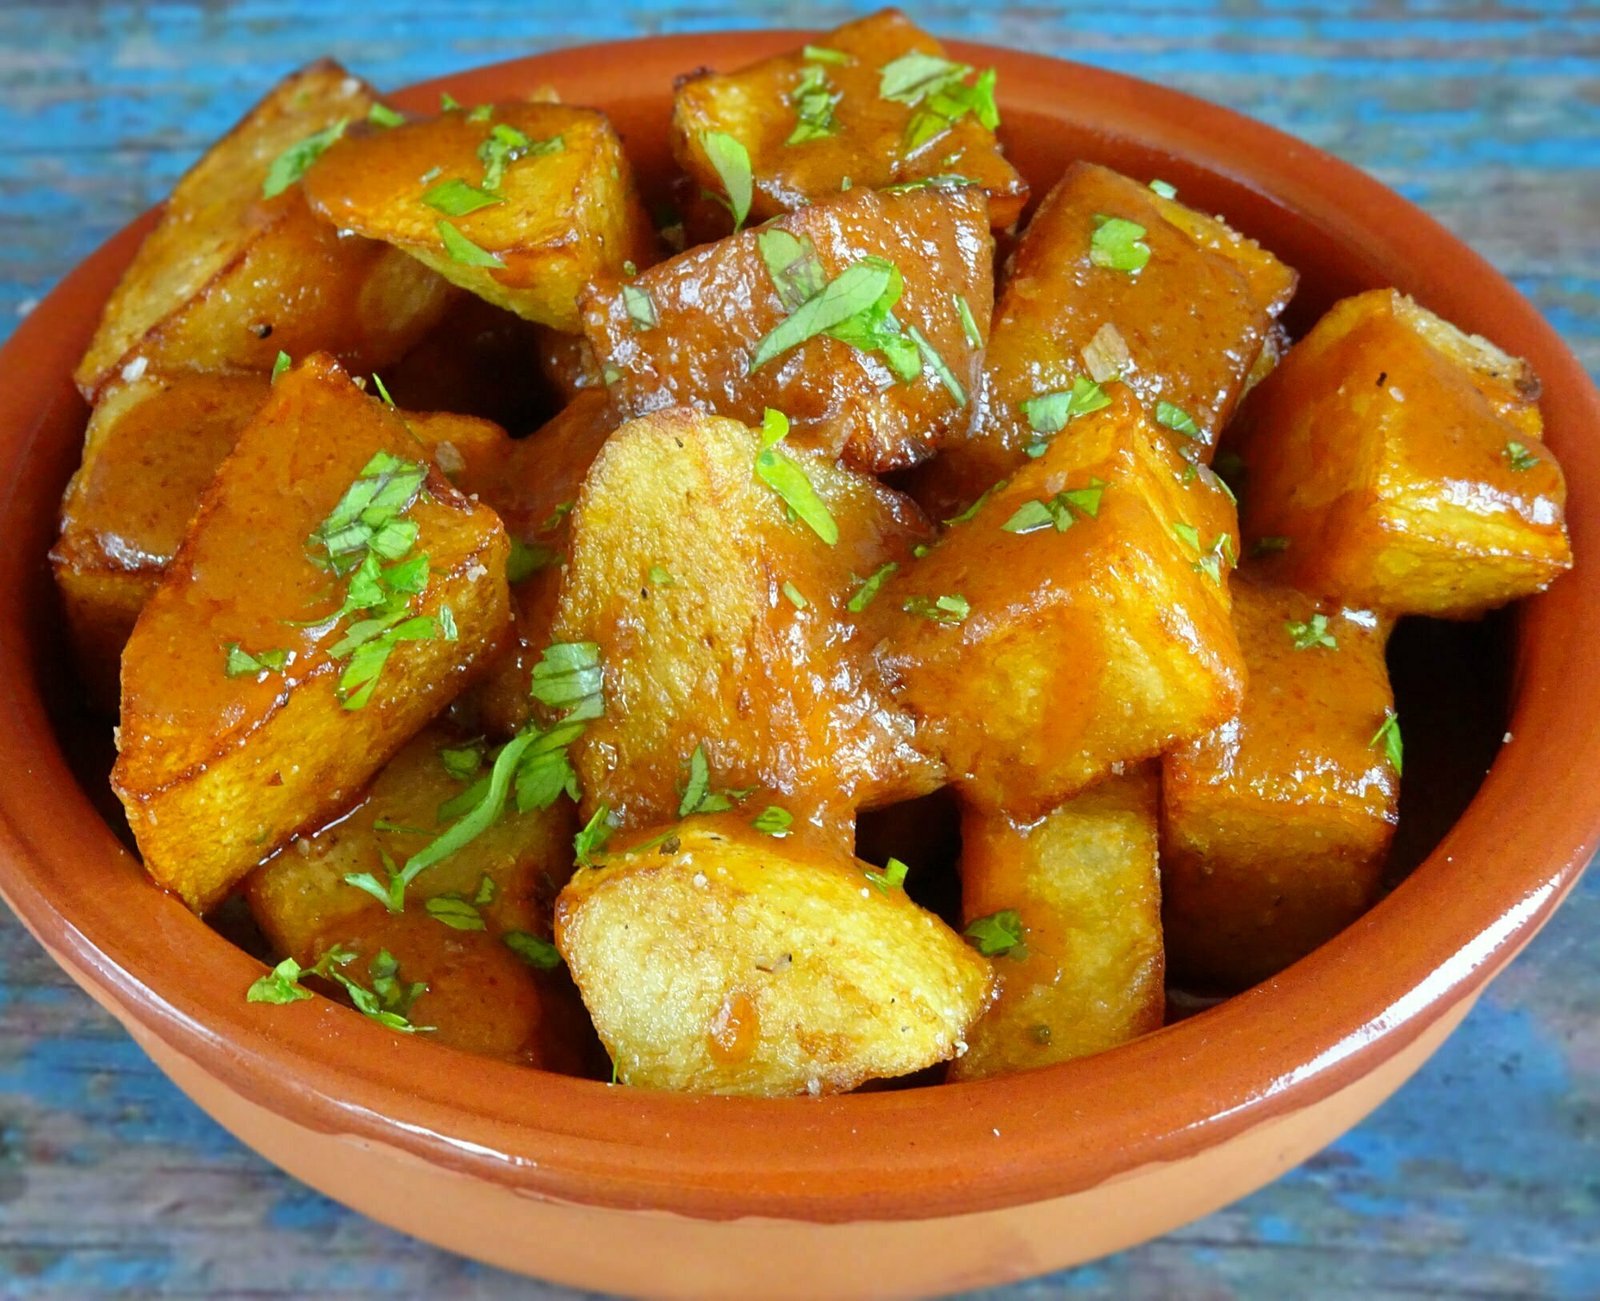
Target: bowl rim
point(1461, 915)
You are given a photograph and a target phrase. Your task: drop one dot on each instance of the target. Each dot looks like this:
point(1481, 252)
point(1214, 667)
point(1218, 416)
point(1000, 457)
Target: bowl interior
point(1491, 859)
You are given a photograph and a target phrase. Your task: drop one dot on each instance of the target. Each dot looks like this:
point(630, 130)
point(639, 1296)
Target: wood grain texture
point(1482, 1177)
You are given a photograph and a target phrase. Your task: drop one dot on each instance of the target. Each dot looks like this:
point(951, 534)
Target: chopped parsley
point(938, 90)
point(1057, 512)
point(935, 363)
point(536, 952)
point(1310, 633)
point(456, 198)
point(388, 1002)
point(280, 985)
point(240, 663)
point(862, 597)
point(1049, 413)
point(731, 162)
point(893, 877)
point(998, 935)
point(822, 54)
point(1388, 736)
point(384, 116)
point(293, 163)
point(856, 307)
point(592, 839)
point(813, 99)
point(773, 821)
point(785, 477)
point(1519, 457)
point(971, 511)
point(1164, 188)
point(641, 307)
point(570, 678)
point(969, 326)
point(281, 364)
point(505, 145)
point(528, 558)
point(940, 609)
point(662, 577)
point(1177, 419)
point(1118, 244)
point(455, 912)
point(795, 596)
point(698, 796)
point(793, 265)
point(462, 762)
point(461, 249)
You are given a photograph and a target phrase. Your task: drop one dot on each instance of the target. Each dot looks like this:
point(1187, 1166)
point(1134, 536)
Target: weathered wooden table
point(1481, 1177)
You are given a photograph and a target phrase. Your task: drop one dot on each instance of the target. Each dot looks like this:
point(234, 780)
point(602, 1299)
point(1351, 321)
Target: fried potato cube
point(817, 118)
point(229, 276)
point(727, 961)
point(1276, 824)
point(453, 932)
point(522, 207)
point(1085, 887)
point(1076, 621)
point(735, 326)
point(151, 449)
point(723, 623)
point(221, 763)
point(1394, 462)
point(475, 361)
point(1183, 330)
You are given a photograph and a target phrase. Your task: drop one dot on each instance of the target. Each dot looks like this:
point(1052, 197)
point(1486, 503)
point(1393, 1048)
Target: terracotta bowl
point(905, 1192)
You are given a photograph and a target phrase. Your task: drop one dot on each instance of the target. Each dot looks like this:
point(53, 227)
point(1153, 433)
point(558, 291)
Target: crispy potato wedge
point(229, 278)
point(727, 961)
point(1077, 621)
point(851, 133)
point(708, 328)
point(724, 624)
point(1393, 462)
point(523, 207)
point(1276, 824)
point(481, 996)
point(218, 771)
point(1185, 330)
point(152, 447)
point(1086, 886)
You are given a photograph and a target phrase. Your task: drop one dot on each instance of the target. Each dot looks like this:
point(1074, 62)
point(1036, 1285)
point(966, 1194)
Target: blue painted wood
point(1481, 1177)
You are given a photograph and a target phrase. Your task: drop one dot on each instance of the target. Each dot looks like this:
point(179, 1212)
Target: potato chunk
point(453, 933)
point(1276, 823)
point(522, 207)
point(1183, 331)
point(220, 763)
point(724, 624)
point(1085, 887)
point(1076, 621)
point(726, 961)
point(229, 277)
point(1394, 462)
point(732, 326)
point(816, 118)
point(151, 449)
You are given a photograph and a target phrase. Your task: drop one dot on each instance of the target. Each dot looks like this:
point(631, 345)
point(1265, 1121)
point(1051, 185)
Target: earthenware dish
point(896, 1192)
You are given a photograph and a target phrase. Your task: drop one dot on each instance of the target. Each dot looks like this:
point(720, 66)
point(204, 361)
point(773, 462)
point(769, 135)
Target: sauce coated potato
point(481, 995)
point(1091, 633)
point(1185, 329)
point(1394, 462)
point(1276, 823)
point(861, 136)
point(230, 277)
point(217, 768)
point(727, 961)
point(689, 331)
point(561, 212)
point(724, 624)
point(1086, 887)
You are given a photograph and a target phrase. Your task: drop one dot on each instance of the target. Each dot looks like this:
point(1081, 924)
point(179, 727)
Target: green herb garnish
point(536, 952)
point(731, 162)
point(1049, 413)
point(1311, 633)
point(241, 663)
point(1388, 735)
point(461, 249)
point(293, 163)
point(969, 325)
point(813, 99)
point(893, 877)
point(1519, 457)
point(456, 198)
point(773, 821)
point(592, 839)
point(863, 596)
point(384, 116)
point(785, 477)
point(455, 912)
point(1177, 419)
point(1118, 244)
point(640, 306)
point(998, 935)
point(940, 609)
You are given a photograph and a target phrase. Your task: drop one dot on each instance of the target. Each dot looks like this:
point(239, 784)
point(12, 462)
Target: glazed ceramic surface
point(939, 1187)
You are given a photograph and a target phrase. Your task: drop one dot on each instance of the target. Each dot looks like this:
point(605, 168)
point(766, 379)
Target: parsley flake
point(662, 577)
point(1177, 419)
point(937, 88)
point(998, 935)
point(455, 912)
point(857, 307)
point(1311, 633)
point(785, 477)
point(536, 952)
point(1388, 736)
point(1519, 457)
point(280, 985)
point(1057, 512)
point(641, 307)
point(773, 821)
point(969, 326)
point(731, 162)
point(241, 663)
point(893, 877)
point(462, 761)
point(569, 677)
point(947, 609)
point(936, 364)
point(1049, 413)
point(592, 839)
point(863, 596)
point(528, 558)
point(383, 116)
point(282, 364)
point(456, 198)
point(795, 596)
point(295, 161)
point(1164, 188)
point(813, 99)
point(822, 54)
point(461, 249)
point(1118, 244)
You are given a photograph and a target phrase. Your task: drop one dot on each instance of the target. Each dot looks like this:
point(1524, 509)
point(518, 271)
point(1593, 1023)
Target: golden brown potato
point(1078, 620)
point(452, 934)
point(567, 363)
point(522, 206)
point(730, 326)
point(723, 960)
point(1276, 824)
point(259, 689)
point(1183, 331)
point(723, 624)
point(817, 119)
point(1393, 462)
point(475, 361)
point(152, 447)
point(231, 276)
point(1084, 887)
